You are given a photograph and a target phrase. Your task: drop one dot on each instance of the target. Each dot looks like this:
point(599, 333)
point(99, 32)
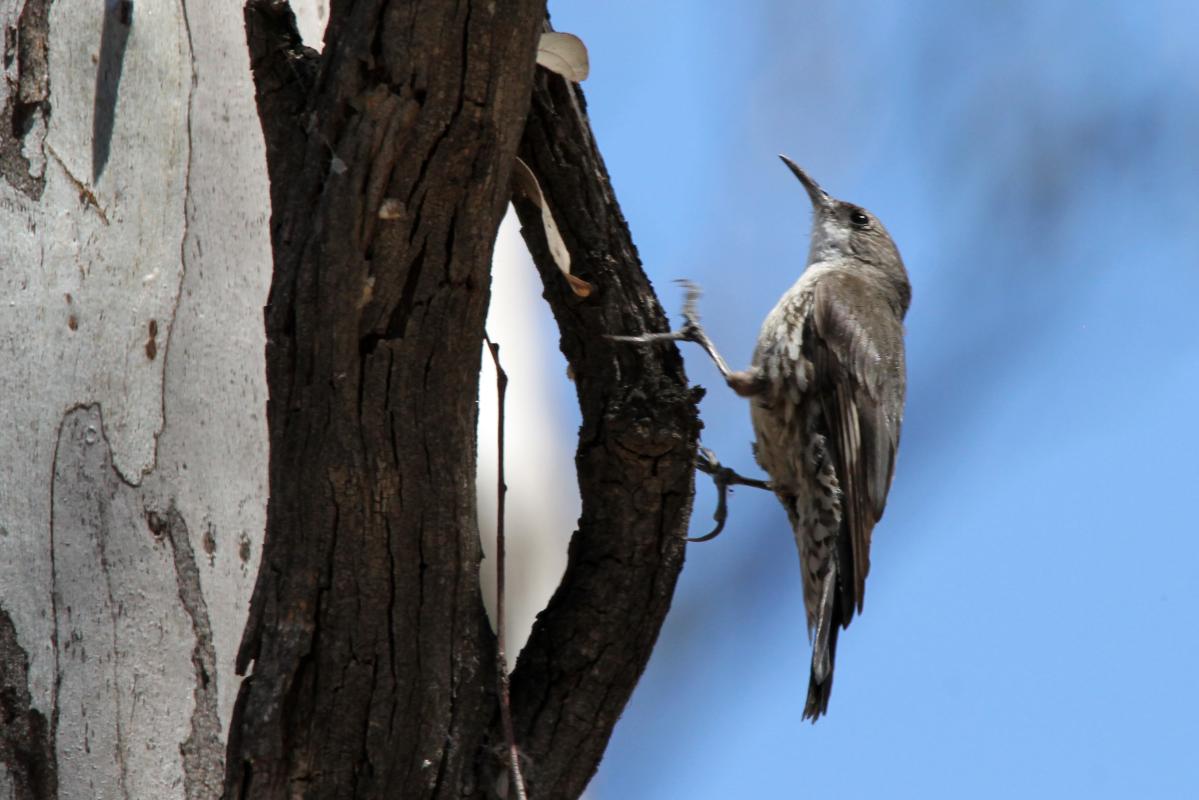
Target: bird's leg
point(694, 332)
point(723, 477)
point(744, 382)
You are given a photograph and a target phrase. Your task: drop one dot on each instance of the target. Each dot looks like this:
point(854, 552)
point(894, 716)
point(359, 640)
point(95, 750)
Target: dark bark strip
point(114, 38)
point(372, 658)
point(635, 462)
point(26, 746)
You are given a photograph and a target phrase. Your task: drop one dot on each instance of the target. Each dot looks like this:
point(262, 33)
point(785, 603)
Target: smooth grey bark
point(132, 483)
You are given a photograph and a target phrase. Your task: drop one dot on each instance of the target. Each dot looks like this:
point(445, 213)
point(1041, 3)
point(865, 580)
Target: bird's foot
point(724, 478)
point(691, 331)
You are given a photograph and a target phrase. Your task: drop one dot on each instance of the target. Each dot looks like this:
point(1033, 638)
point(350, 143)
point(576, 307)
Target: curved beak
point(820, 198)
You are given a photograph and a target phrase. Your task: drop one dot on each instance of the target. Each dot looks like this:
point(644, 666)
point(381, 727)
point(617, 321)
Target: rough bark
point(635, 461)
point(389, 157)
point(372, 659)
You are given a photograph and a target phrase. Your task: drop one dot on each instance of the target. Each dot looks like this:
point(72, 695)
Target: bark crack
point(118, 668)
point(86, 195)
point(184, 239)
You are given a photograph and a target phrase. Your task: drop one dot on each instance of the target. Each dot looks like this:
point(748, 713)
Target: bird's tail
point(824, 646)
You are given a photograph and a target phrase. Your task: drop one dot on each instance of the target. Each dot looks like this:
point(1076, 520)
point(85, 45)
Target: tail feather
point(824, 649)
point(821, 661)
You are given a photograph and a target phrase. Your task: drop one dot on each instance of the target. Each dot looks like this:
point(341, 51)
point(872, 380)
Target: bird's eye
point(859, 219)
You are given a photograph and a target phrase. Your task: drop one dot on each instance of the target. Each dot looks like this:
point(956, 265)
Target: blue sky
point(1030, 623)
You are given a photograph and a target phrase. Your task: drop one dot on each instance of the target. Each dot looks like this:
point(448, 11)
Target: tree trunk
point(389, 157)
point(135, 251)
point(635, 461)
point(133, 268)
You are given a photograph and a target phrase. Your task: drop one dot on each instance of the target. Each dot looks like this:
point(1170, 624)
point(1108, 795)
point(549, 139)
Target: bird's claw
point(706, 461)
point(724, 478)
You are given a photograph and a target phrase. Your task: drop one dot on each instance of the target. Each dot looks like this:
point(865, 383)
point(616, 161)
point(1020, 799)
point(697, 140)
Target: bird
point(826, 387)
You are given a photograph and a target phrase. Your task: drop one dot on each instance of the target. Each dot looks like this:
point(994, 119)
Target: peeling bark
point(26, 742)
point(203, 750)
point(25, 99)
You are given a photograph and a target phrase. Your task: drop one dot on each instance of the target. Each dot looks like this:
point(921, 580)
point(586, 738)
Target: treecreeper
point(826, 388)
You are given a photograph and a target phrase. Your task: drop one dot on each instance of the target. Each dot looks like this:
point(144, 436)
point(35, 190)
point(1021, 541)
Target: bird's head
point(841, 229)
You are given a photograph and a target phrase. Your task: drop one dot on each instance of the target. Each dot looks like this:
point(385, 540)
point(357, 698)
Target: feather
point(857, 358)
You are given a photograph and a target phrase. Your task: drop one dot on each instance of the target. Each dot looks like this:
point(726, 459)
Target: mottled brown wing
point(855, 342)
